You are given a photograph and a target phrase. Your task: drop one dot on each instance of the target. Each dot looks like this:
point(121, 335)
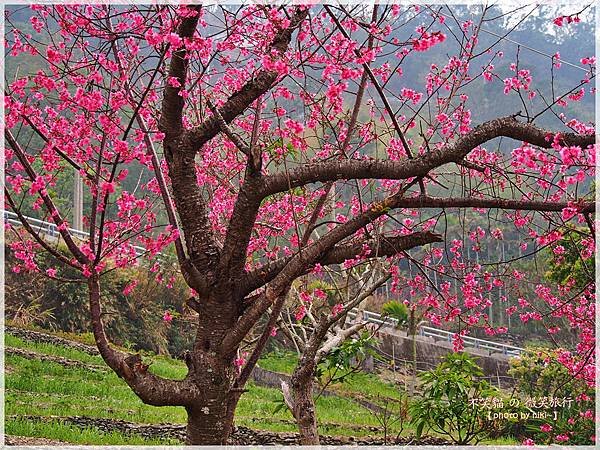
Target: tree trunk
point(210, 417)
point(412, 330)
point(304, 409)
point(413, 382)
point(208, 425)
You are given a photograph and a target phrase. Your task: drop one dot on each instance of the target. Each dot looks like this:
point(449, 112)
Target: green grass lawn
point(278, 361)
point(45, 388)
point(357, 385)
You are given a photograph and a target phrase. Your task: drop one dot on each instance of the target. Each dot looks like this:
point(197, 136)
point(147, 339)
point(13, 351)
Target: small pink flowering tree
point(317, 329)
point(230, 133)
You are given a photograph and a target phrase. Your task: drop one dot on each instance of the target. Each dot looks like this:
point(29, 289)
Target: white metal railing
point(443, 335)
point(38, 225)
point(50, 229)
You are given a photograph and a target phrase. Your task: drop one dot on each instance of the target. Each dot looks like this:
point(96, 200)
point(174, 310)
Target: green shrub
point(133, 320)
point(447, 405)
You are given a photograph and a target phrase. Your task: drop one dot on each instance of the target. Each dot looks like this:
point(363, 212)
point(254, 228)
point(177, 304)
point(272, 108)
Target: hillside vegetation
point(50, 387)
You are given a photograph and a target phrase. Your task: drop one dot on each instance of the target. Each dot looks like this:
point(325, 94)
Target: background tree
point(319, 331)
point(220, 130)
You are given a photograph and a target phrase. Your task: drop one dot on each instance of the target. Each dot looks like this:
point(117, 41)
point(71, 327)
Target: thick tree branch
point(247, 204)
point(171, 116)
point(191, 275)
point(492, 203)
point(257, 309)
point(201, 244)
point(252, 90)
point(152, 389)
point(421, 165)
point(386, 246)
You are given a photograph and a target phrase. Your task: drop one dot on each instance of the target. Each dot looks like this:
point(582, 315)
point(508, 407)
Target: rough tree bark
point(305, 410)
point(301, 402)
point(213, 371)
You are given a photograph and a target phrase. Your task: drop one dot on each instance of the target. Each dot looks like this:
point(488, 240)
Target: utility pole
point(77, 202)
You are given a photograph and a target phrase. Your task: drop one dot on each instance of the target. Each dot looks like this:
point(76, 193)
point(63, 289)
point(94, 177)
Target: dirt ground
point(23, 440)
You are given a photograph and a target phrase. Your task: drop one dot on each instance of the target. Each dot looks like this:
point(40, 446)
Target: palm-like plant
point(407, 318)
point(396, 310)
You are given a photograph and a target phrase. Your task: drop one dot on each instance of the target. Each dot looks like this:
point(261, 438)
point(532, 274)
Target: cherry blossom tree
point(231, 134)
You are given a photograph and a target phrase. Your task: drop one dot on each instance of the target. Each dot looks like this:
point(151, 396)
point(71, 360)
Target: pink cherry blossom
point(337, 308)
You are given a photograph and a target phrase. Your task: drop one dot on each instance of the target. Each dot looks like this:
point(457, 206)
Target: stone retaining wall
point(240, 435)
point(430, 353)
point(36, 336)
point(28, 354)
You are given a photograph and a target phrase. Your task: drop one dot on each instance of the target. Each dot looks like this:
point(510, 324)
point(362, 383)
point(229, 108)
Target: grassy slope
point(362, 385)
point(46, 388)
